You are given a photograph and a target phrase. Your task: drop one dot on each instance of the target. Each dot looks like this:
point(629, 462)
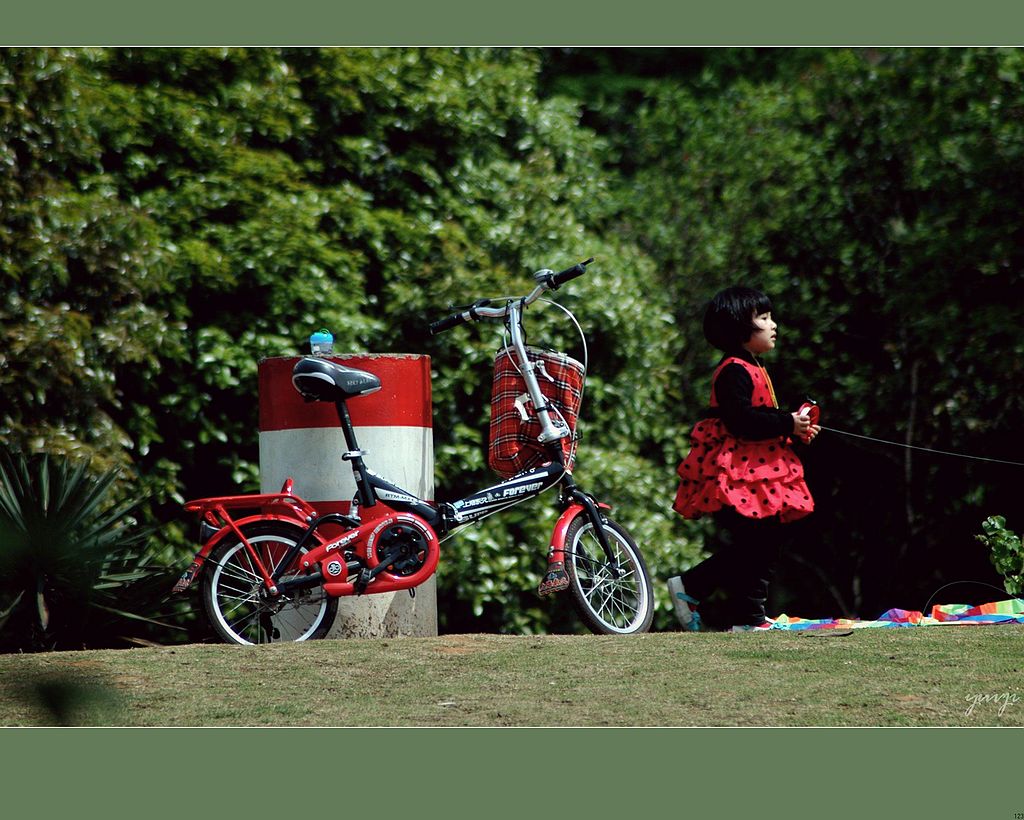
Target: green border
point(813, 773)
point(526, 22)
point(809, 773)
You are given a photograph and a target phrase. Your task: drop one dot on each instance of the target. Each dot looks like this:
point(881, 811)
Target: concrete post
point(395, 426)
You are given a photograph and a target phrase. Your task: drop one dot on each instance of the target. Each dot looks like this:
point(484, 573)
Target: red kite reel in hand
point(812, 411)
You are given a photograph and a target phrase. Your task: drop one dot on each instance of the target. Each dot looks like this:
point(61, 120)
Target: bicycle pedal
point(556, 580)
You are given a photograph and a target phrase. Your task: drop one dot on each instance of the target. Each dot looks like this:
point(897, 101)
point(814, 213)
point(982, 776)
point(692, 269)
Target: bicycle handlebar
point(563, 276)
point(546, 280)
point(447, 323)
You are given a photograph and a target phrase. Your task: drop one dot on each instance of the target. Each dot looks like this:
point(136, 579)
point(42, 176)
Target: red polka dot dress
point(759, 478)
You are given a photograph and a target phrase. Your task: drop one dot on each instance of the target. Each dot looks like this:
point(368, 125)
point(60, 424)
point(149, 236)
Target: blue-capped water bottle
point(321, 343)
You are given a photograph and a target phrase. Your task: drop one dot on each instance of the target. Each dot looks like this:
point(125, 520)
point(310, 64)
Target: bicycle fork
point(581, 502)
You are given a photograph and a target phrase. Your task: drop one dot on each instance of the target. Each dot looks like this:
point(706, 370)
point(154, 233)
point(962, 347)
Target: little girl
point(740, 467)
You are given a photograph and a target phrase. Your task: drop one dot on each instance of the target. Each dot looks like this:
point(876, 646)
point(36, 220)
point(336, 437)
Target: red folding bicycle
point(268, 574)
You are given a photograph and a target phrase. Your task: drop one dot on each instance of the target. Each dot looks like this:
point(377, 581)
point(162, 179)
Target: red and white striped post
point(394, 426)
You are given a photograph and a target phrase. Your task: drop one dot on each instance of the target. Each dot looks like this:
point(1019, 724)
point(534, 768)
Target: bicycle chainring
point(411, 545)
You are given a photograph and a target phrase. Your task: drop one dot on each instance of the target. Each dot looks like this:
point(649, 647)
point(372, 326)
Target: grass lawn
point(921, 676)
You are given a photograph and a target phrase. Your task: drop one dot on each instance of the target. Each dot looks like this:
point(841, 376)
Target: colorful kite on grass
point(1000, 612)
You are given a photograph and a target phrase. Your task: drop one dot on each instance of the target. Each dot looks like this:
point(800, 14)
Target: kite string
point(945, 453)
point(954, 583)
point(923, 449)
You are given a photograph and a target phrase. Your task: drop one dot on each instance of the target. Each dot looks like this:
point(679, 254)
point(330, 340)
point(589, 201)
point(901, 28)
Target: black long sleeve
point(733, 390)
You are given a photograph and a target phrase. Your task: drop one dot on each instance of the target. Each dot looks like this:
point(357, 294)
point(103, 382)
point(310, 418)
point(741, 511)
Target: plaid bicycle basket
point(514, 424)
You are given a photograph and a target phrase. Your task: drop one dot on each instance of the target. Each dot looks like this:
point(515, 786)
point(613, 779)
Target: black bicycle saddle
point(323, 380)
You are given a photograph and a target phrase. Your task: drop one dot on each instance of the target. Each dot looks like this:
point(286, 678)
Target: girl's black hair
point(728, 318)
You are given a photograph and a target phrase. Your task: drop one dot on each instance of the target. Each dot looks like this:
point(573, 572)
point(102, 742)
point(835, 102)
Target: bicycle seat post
point(367, 497)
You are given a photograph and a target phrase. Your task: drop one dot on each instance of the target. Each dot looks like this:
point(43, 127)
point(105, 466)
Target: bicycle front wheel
point(234, 596)
point(610, 600)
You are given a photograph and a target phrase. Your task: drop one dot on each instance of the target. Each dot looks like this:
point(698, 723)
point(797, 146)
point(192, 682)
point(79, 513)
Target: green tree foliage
point(82, 270)
point(216, 205)
point(1006, 552)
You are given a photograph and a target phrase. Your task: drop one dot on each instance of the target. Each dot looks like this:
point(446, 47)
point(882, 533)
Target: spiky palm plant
point(69, 556)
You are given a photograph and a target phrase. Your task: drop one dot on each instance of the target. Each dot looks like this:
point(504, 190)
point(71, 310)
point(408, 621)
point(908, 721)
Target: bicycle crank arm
point(367, 575)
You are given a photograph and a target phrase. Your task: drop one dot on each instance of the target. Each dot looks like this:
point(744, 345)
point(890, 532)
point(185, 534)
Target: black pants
point(739, 570)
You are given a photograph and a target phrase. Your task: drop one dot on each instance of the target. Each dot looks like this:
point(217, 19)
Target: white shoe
point(684, 605)
point(746, 628)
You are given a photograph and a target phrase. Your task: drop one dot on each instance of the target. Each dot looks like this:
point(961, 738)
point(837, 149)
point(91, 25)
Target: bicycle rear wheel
point(233, 596)
point(610, 602)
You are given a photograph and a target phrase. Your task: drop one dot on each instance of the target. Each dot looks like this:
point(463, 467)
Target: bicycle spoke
point(238, 602)
point(616, 605)
point(607, 598)
point(625, 607)
point(617, 608)
point(239, 573)
point(248, 617)
point(237, 591)
point(271, 563)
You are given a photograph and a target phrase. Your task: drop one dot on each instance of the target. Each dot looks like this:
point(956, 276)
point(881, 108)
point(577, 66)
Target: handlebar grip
point(564, 276)
point(447, 323)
